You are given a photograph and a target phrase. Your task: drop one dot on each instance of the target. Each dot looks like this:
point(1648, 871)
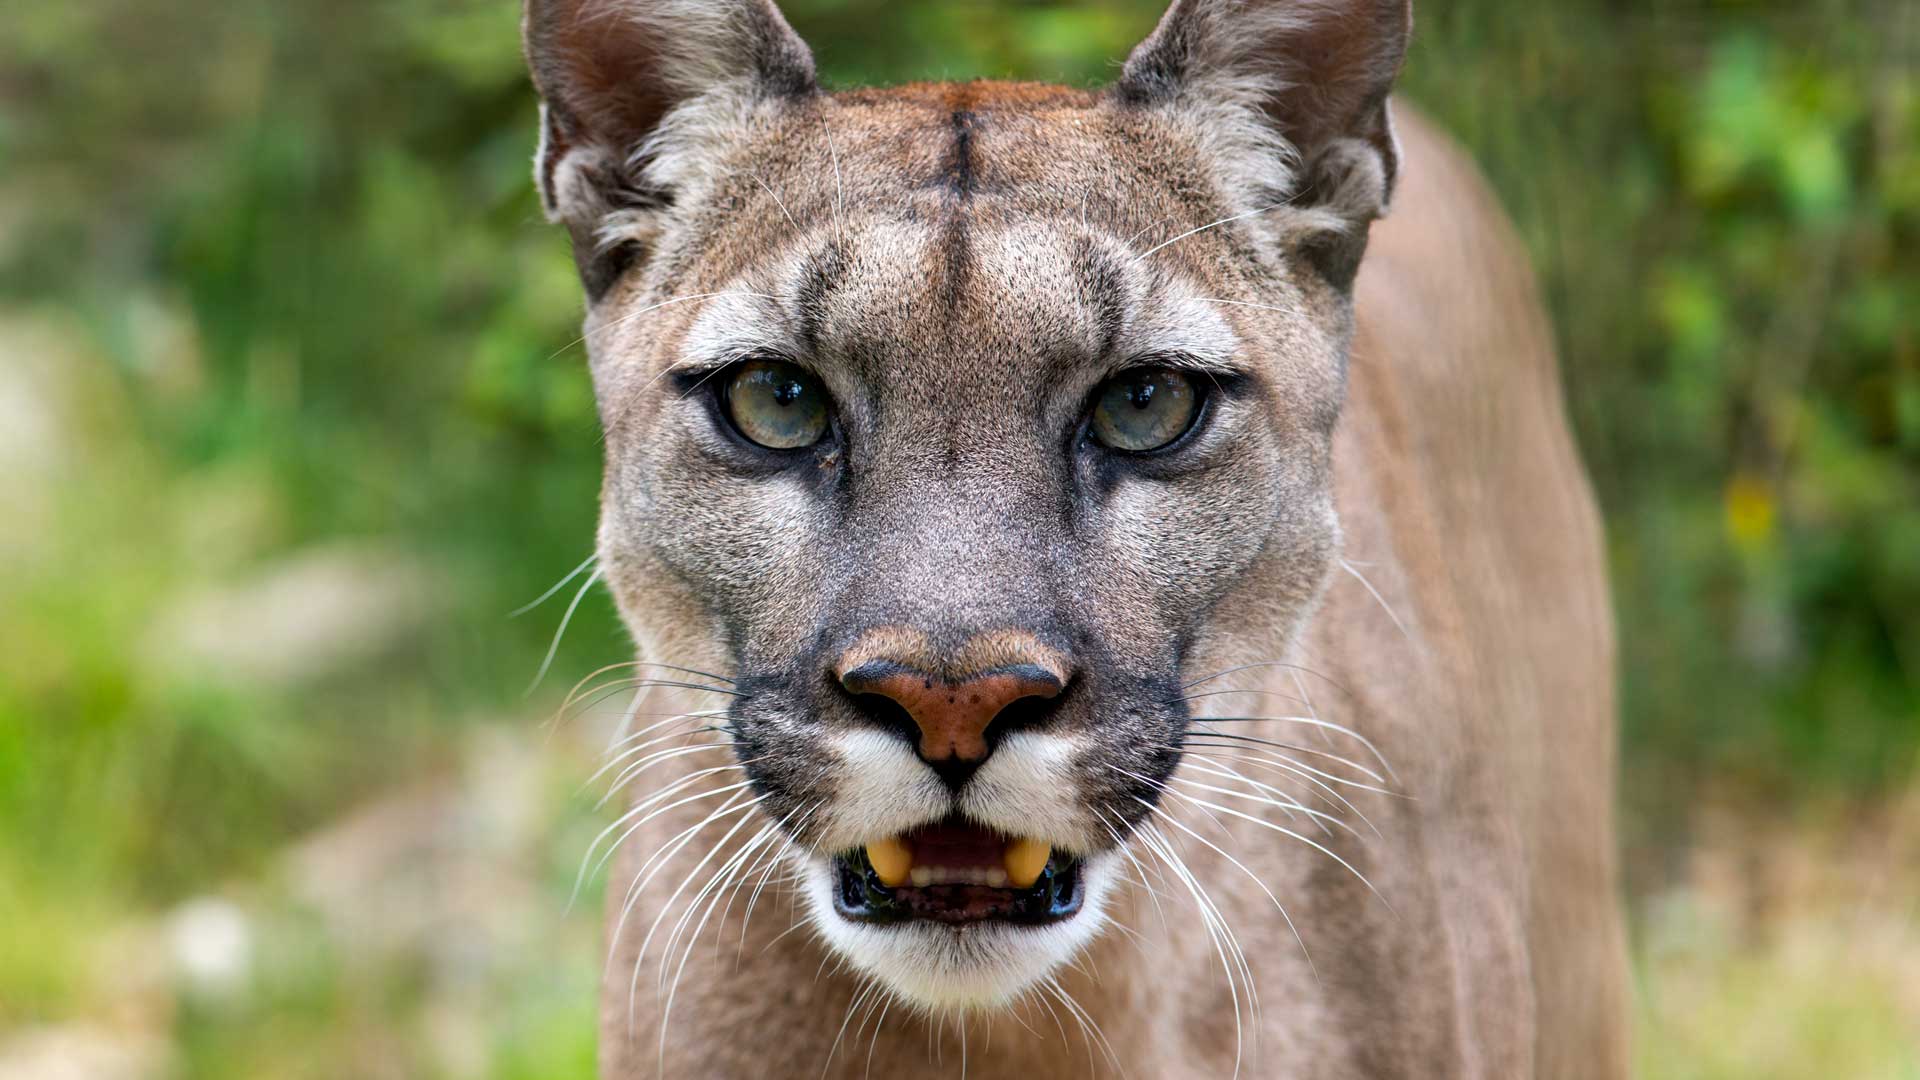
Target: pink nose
point(953, 716)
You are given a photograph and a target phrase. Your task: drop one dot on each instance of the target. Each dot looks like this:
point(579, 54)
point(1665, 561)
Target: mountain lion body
point(1088, 618)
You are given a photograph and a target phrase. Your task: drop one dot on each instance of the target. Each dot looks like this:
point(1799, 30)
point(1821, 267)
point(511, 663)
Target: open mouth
point(957, 872)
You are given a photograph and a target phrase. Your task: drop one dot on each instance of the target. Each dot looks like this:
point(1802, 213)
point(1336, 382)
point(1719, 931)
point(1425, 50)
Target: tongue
point(957, 846)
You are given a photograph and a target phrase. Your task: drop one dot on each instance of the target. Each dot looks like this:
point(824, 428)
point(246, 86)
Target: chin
point(962, 948)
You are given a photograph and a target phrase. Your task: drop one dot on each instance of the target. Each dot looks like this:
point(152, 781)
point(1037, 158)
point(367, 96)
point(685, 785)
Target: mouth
point(957, 873)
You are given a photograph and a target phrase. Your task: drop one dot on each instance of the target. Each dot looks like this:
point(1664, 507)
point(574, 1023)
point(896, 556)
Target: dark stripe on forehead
point(956, 254)
point(959, 175)
point(959, 178)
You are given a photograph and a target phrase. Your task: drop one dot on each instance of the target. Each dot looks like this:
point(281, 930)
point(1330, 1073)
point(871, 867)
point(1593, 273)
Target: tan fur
point(911, 647)
point(1390, 526)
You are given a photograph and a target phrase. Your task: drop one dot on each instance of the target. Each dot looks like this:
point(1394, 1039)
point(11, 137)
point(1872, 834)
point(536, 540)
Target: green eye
point(1144, 409)
point(777, 405)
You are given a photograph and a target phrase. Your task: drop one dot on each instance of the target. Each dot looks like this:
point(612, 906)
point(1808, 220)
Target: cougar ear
point(613, 75)
point(1312, 76)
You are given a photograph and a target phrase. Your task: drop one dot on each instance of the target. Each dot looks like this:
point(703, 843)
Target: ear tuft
point(1311, 77)
point(614, 75)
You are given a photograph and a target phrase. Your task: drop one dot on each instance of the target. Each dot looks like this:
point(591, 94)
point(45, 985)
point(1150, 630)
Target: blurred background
point(292, 415)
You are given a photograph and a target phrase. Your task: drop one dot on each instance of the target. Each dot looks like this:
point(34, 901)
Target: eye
point(777, 405)
point(1144, 409)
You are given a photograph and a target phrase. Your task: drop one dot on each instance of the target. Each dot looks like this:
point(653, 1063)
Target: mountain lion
point(1089, 621)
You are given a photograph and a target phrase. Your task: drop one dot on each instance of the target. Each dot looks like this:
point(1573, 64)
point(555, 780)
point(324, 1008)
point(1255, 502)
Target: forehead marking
point(959, 174)
point(958, 178)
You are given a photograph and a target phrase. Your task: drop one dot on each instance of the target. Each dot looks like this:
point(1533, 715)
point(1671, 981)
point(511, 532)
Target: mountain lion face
point(962, 428)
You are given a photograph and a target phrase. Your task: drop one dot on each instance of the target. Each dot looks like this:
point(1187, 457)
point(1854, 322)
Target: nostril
point(1020, 714)
point(887, 713)
point(951, 720)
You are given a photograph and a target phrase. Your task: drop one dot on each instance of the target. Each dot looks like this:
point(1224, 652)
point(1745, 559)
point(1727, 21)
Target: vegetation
point(292, 412)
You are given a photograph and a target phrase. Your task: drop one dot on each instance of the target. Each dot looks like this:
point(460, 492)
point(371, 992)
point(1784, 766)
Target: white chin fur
point(976, 966)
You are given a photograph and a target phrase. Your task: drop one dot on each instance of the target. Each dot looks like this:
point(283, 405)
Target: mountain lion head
point(954, 432)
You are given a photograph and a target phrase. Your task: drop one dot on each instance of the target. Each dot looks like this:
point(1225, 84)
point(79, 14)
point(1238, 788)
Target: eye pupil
point(776, 405)
point(1144, 410)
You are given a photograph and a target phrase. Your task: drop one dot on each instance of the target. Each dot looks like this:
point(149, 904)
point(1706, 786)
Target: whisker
point(1278, 906)
point(1120, 845)
point(1248, 303)
point(1326, 792)
point(832, 1051)
point(557, 586)
point(1218, 933)
point(581, 702)
point(1042, 999)
point(663, 667)
point(728, 875)
point(614, 760)
point(676, 685)
point(643, 876)
point(1089, 1027)
point(1271, 761)
point(1209, 733)
point(1278, 799)
point(661, 719)
point(717, 886)
point(627, 406)
point(1224, 693)
point(1284, 831)
point(800, 816)
point(1300, 684)
point(1362, 579)
point(876, 1004)
point(671, 789)
point(635, 769)
point(782, 935)
point(554, 646)
point(1161, 786)
point(1309, 721)
point(777, 201)
point(769, 862)
point(633, 984)
point(839, 189)
point(628, 744)
point(1296, 766)
point(1266, 664)
point(668, 302)
point(1212, 225)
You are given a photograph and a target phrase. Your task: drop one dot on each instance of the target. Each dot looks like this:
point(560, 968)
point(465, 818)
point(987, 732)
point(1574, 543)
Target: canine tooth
point(922, 876)
point(891, 859)
point(1025, 858)
point(996, 877)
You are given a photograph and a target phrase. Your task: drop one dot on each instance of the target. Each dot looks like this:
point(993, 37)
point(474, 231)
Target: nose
point(955, 711)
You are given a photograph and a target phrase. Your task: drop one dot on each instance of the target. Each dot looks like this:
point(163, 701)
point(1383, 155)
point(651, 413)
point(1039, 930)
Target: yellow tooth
point(1025, 858)
point(892, 861)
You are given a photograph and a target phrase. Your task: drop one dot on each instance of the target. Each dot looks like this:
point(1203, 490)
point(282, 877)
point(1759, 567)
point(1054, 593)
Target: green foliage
point(275, 280)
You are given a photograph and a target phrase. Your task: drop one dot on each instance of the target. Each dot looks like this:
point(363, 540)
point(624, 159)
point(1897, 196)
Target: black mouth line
point(859, 896)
